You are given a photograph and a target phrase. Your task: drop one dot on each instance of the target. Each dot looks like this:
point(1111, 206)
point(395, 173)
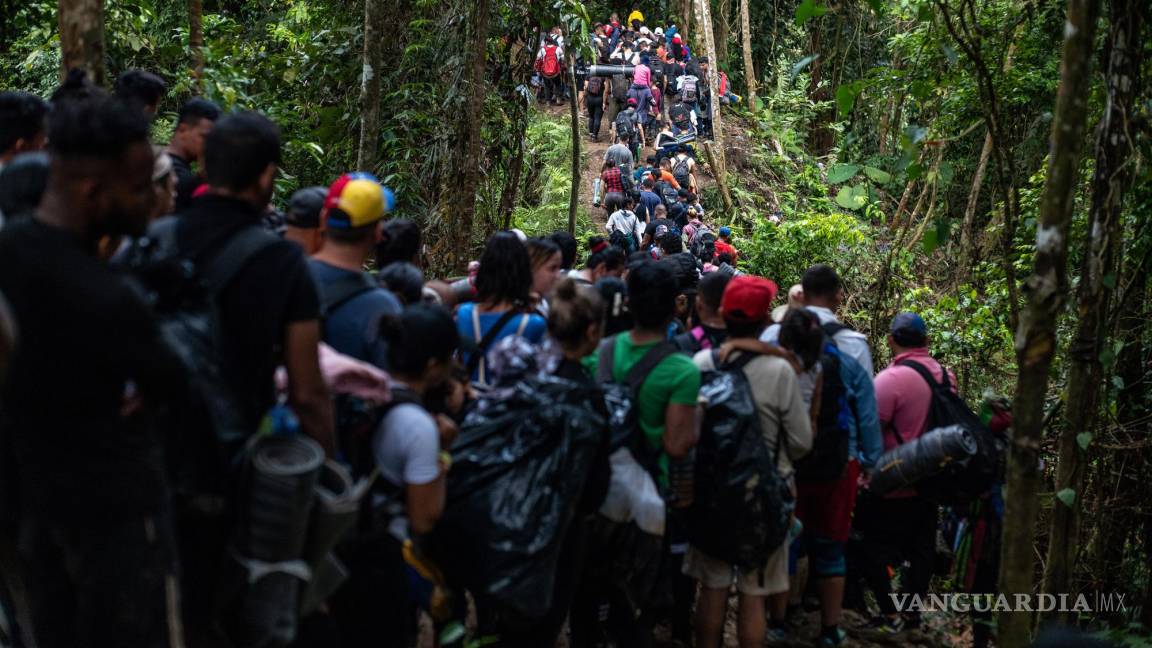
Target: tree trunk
point(1046, 291)
point(821, 138)
point(574, 197)
point(716, 155)
point(196, 42)
point(373, 63)
point(1110, 180)
point(82, 37)
point(468, 168)
point(723, 28)
point(746, 42)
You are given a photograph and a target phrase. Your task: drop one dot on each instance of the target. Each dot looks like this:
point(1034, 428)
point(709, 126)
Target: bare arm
point(306, 390)
point(426, 503)
point(681, 429)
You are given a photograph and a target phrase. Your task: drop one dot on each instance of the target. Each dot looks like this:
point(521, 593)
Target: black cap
point(305, 206)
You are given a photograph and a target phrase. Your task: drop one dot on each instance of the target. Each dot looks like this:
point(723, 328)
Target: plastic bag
point(632, 495)
point(518, 469)
point(922, 458)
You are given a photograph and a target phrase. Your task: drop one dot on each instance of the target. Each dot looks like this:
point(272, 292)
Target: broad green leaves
point(877, 175)
point(808, 10)
point(838, 173)
point(852, 198)
point(846, 96)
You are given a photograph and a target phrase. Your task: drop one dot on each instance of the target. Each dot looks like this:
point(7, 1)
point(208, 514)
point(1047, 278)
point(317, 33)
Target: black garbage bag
point(922, 459)
point(518, 469)
point(741, 511)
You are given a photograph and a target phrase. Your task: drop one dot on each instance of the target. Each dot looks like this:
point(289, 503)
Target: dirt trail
point(593, 155)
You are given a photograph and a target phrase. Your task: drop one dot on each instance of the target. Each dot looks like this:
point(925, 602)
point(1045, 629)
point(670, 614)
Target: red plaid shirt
point(612, 183)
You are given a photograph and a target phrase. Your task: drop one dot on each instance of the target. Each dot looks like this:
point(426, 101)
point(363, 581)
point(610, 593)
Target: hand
point(448, 431)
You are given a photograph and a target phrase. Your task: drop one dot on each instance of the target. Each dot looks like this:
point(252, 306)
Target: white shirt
point(625, 221)
point(852, 343)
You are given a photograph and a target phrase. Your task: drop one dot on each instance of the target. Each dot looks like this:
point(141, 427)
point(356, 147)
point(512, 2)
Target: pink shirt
point(642, 75)
point(903, 400)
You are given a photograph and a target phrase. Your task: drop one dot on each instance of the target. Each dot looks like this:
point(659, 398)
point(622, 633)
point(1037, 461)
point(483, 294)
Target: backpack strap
point(832, 328)
point(344, 290)
point(927, 375)
point(639, 372)
point(489, 337)
point(235, 254)
point(606, 361)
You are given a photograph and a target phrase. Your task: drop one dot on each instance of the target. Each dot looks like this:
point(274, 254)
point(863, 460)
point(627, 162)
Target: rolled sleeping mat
point(335, 511)
point(327, 577)
point(928, 455)
point(609, 70)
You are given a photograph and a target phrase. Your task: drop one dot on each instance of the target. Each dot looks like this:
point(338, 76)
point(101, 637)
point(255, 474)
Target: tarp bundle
point(518, 469)
point(922, 458)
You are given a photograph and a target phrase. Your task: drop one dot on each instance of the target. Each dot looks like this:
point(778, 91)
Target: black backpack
point(620, 87)
point(741, 511)
point(681, 115)
point(595, 86)
point(680, 170)
point(207, 431)
point(961, 482)
point(625, 126)
point(667, 193)
point(621, 399)
point(829, 453)
point(704, 246)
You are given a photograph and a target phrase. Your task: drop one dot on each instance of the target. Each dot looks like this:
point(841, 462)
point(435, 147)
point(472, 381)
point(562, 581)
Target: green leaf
point(1109, 280)
point(921, 89)
point(803, 63)
point(846, 96)
point(924, 12)
point(930, 241)
point(1083, 439)
point(915, 134)
point(877, 175)
point(1068, 496)
point(876, 5)
point(914, 171)
point(949, 53)
point(1118, 382)
point(838, 173)
point(852, 197)
point(809, 10)
point(945, 173)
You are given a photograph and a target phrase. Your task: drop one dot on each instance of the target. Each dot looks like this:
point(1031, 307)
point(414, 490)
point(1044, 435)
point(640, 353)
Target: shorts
point(825, 508)
point(717, 574)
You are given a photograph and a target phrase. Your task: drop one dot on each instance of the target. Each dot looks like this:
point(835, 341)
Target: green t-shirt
point(676, 380)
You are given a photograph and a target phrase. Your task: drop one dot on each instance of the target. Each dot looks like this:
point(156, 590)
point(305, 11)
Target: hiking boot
point(831, 638)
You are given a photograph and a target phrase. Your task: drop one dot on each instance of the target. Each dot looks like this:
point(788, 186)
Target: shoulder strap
point(343, 290)
point(235, 254)
point(832, 328)
point(489, 337)
point(741, 361)
point(925, 374)
point(606, 361)
point(639, 372)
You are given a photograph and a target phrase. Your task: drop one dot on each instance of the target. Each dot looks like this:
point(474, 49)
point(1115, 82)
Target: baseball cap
point(748, 298)
point(725, 231)
point(631, 102)
point(305, 206)
point(909, 330)
point(676, 40)
point(356, 199)
point(659, 31)
point(795, 300)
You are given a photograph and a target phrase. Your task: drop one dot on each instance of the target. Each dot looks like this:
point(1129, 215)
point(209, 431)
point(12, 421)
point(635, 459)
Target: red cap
point(748, 299)
point(676, 40)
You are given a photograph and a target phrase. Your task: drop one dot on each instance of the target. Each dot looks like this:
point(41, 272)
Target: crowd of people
point(126, 448)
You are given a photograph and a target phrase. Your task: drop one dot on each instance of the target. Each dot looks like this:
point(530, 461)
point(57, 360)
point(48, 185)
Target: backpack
point(681, 116)
point(742, 507)
point(961, 482)
point(680, 170)
point(622, 400)
point(595, 86)
point(620, 87)
point(342, 291)
point(829, 453)
point(668, 193)
point(623, 241)
point(692, 341)
point(688, 90)
point(551, 64)
point(704, 245)
point(208, 431)
point(625, 127)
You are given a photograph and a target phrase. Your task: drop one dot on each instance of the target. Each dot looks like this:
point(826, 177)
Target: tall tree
point(1110, 179)
point(468, 159)
point(574, 114)
point(82, 37)
point(196, 42)
point(373, 61)
point(715, 155)
point(1046, 292)
point(746, 41)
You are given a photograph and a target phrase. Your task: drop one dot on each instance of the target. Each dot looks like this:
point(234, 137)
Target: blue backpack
point(829, 453)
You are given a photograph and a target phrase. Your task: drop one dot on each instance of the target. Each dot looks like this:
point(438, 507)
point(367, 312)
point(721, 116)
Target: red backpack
point(551, 66)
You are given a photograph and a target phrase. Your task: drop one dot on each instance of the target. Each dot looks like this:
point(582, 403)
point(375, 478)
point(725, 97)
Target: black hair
point(611, 256)
point(404, 280)
point(351, 235)
point(76, 87)
point(820, 280)
point(401, 244)
point(671, 243)
point(505, 271)
point(94, 124)
point(724, 258)
point(801, 334)
point(140, 87)
point(239, 149)
point(418, 334)
point(21, 117)
point(572, 309)
point(614, 294)
point(743, 329)
point(652, 291)
point(568, 248)
point(22, 183)
point(649, 182)
point(711, 288)
point(198, 108)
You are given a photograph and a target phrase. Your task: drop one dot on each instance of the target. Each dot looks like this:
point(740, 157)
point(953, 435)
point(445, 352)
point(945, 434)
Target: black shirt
point(186, 181)
point(273, 290)
point(88, 345)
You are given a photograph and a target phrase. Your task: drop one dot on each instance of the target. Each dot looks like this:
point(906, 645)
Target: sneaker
point(832, 639)
point(882, 626)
